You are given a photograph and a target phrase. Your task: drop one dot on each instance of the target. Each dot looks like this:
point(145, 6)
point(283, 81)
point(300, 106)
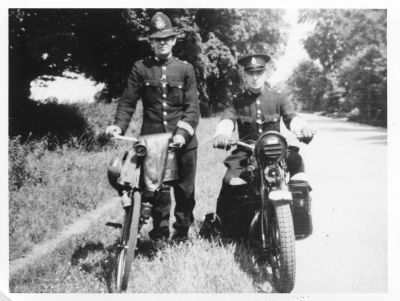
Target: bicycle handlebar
point(136, 140)
point(125, 138)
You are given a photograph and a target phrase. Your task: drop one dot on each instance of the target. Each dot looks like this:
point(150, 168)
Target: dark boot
point(180, 234)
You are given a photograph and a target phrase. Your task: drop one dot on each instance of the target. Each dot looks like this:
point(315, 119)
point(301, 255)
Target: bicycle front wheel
point(128, 242)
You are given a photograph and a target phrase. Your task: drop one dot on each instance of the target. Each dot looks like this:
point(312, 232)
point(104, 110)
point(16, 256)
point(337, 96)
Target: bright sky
point(294, 52)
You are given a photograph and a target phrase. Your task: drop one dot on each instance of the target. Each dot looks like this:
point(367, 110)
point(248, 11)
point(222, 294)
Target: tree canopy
point(350, 48)
point(104, 43)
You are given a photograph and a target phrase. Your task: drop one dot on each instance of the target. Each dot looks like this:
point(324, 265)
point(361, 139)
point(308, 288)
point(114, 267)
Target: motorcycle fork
point(263, 210)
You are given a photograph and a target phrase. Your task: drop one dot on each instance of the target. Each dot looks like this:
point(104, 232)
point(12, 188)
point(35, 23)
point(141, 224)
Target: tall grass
point(54, 181)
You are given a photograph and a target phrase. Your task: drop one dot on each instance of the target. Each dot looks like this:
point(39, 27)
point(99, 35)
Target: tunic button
point(164, 104)
point(164, 68)
point(164, 95)
point(260, 131)
point(180, 86)
point(258, 102)
point(165, 123)
point(164, 85)
point(258, 111)
point(165, 113)
point(147, 84)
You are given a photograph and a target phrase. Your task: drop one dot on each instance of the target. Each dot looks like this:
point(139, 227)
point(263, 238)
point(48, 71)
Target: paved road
point(347, 252)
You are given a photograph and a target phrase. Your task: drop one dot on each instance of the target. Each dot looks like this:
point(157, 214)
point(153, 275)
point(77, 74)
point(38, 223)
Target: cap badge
point(160, 24)
point(253, 61)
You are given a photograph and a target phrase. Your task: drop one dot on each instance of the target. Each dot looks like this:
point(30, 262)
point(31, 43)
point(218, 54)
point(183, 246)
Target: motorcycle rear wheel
point(128, 243)
point(282, 257)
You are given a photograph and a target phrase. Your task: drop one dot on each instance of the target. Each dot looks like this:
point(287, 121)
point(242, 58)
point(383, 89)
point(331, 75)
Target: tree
point(309, 85)
point(364, 76)
point(101, 43)
point(351, 47)
point(339, 32)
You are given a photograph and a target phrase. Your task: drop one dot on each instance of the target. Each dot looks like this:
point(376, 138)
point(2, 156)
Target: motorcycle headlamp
point(271, 146)
point(272, 173)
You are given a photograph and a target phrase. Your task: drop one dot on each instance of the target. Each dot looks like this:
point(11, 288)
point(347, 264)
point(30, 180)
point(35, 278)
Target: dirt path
point(79, 226)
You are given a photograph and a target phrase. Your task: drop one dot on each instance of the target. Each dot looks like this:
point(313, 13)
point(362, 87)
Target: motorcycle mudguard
point(301, 208)
point(280, 197)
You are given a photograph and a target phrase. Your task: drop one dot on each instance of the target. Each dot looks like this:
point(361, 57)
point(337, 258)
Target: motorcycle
point(267, 209)
point(147, 167)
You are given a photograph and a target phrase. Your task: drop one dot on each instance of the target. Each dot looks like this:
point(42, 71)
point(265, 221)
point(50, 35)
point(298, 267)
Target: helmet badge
point(253, 61)
point(160, 24)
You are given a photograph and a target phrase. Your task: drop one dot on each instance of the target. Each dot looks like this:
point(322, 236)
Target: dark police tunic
point(170, 104)
point(169, 94)
point(257, 113)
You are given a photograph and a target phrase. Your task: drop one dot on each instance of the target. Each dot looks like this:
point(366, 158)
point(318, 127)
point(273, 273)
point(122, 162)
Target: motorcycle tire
point(283, 260)
point(128, 243)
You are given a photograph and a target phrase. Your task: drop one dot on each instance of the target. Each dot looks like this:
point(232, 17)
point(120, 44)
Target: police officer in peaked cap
point(167, 87)
point(254, 111)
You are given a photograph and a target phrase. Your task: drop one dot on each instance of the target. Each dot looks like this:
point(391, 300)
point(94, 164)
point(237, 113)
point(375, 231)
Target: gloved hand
point(221, 141)
point(179, 140)
point(307, 132)
point(301, 129)
point(113, 130)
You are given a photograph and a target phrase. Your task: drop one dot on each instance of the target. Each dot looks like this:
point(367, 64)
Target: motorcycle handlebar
point(243, 144)
point(251, 147)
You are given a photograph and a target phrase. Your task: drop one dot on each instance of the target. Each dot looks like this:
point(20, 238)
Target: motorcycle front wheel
point(282, 256)
point(128, 242)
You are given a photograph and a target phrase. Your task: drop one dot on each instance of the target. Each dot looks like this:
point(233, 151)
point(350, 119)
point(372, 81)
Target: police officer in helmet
point(167, 87)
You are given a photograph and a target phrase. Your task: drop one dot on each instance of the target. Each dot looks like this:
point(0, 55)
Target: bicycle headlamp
point(141, 150)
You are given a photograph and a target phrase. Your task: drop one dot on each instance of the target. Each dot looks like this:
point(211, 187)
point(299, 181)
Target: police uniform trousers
point(184, 198)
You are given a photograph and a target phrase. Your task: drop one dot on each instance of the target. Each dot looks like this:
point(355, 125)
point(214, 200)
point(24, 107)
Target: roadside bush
point(308, 85)
point(61, 125)
point(20, 171)
point(364, 76)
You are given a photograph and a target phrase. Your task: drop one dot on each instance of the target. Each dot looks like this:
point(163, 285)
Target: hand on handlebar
point(113, 130)
point(222, 141)
point(306, 134)
point(178, 141)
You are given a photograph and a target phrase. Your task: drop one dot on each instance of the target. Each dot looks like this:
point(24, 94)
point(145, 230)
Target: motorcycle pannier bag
point(301, 210)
